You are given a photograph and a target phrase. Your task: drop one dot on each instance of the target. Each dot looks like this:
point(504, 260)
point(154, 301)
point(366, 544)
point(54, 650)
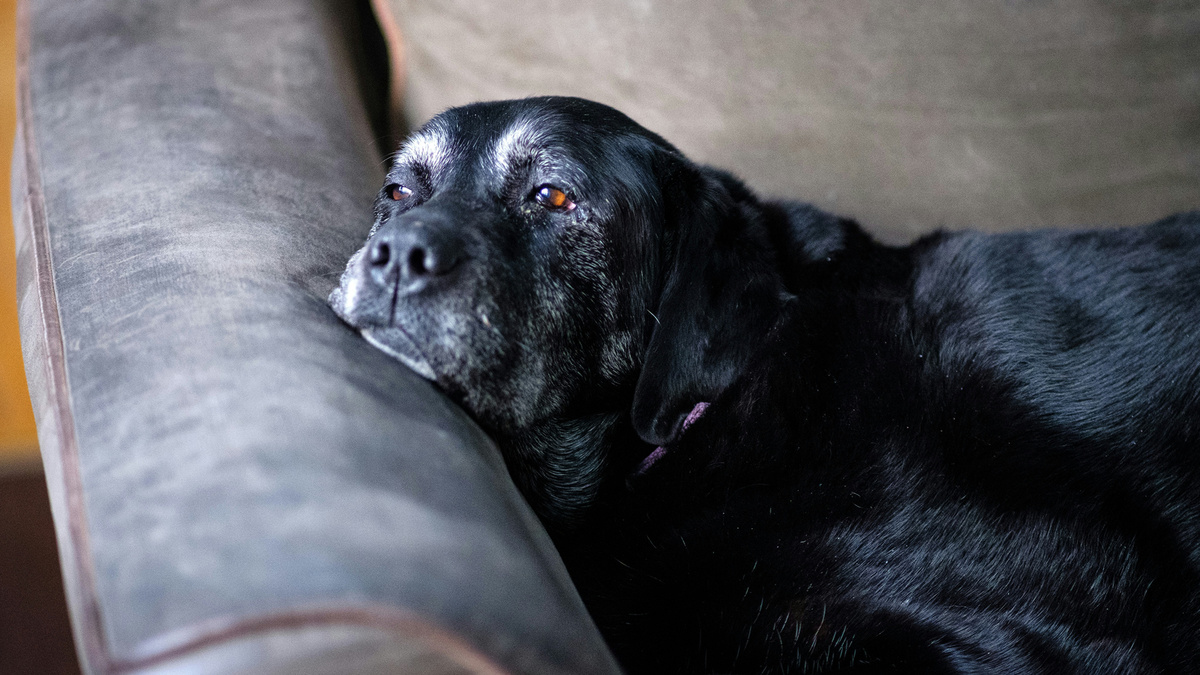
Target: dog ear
point(721, 293)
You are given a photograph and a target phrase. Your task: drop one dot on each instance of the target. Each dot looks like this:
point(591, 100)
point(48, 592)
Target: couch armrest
point(239, 482)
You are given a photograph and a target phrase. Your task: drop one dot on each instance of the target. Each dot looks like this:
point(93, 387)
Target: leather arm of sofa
point(239, 482)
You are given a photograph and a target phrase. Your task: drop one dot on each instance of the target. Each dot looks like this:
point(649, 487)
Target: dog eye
point(553, 198)
point(398, 192)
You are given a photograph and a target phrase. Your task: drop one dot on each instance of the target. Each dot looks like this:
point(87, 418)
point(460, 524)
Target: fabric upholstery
point(240, 483)
point(907, 115)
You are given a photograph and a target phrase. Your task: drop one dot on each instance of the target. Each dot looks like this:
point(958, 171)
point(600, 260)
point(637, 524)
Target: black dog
point(972, 454)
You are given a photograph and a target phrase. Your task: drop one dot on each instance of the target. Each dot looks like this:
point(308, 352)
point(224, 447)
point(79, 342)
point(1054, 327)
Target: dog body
point(974, 455)
point(977, 453)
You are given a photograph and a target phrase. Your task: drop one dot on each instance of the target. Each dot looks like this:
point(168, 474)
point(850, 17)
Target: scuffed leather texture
point(240, 482)
point(906, 115)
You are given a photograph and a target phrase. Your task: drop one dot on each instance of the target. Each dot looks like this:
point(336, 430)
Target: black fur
point(974, 454)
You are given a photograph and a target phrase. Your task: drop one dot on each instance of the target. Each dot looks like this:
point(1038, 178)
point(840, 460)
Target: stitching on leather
point(397, 60)
point(91, 629)
point(212, 632)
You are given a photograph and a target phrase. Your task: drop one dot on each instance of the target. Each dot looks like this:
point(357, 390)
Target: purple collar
point(660, 450)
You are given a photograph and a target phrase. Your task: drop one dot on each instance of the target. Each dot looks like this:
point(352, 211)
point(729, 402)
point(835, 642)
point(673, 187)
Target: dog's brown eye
point(553, 198)
point(398, 192)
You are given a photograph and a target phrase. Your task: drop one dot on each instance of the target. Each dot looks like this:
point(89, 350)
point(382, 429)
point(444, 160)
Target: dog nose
point(411, 255)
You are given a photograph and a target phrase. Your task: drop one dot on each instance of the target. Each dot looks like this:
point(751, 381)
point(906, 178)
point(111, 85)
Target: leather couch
point(241, 484)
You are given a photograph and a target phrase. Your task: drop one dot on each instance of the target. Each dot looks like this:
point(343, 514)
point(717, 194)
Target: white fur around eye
point(519, 142)
point(429, 148)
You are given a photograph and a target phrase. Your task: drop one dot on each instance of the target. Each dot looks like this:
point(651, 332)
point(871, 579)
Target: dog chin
point(394, 342)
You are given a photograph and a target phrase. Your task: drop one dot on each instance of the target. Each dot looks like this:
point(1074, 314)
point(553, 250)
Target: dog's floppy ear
point(721, 292)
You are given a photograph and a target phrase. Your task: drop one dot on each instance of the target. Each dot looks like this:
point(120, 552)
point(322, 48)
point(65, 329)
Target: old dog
point(766, 443)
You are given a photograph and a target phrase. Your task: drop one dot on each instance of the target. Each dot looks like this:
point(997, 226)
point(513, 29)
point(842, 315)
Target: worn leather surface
point(907, 115)
point(233, 470)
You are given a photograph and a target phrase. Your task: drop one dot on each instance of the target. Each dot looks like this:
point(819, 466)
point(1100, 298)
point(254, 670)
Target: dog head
point(547, 261)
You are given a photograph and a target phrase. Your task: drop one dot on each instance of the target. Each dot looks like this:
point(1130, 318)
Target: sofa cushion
point(908, 116)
